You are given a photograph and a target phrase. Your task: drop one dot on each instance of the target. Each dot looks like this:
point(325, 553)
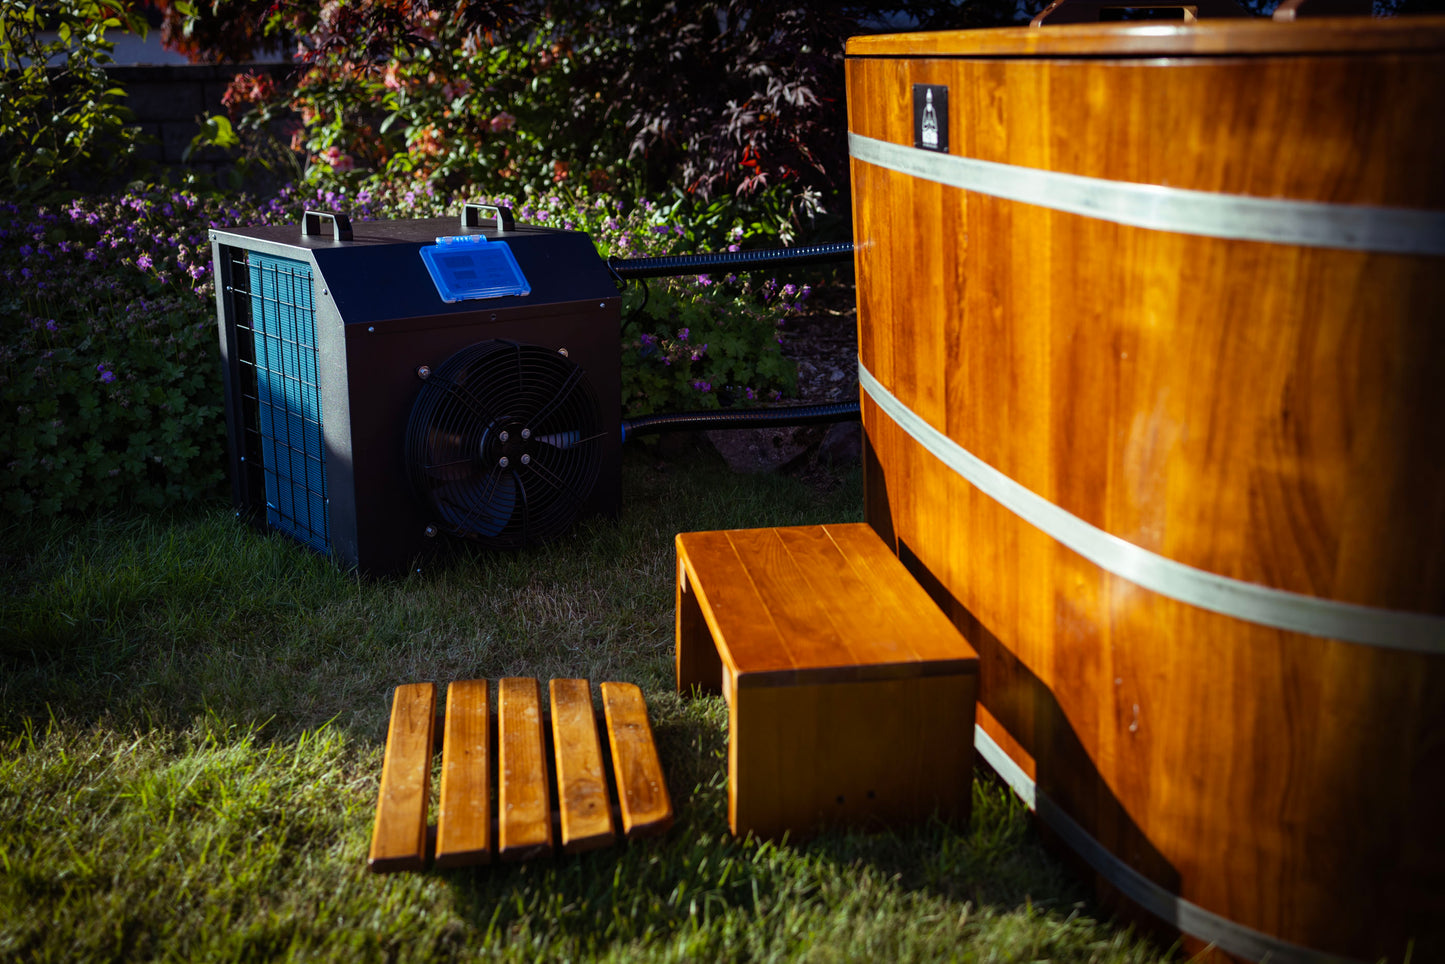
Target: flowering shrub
point(109, 376)
point(109, 385)
point(702, 344)
point(65, 122)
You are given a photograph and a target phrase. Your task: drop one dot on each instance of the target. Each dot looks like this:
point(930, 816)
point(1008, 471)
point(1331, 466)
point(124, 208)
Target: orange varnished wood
point(398, 838)
point(698, 665)
point(524, 813)
point(1268, 412)
point(749, 636)
point(464, 813)
point(811, 604)
point(872, 722)
point(870, 754)
point(1235, 38)
point(641, 787)
point(581, 782)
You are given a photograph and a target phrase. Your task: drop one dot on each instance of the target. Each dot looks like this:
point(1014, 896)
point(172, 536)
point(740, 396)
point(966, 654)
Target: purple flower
point(648, 341)
point(51, 326)
point(26, 251)
point(682, 334)
point(702, 386)
point(789, 290)
point(144, 262)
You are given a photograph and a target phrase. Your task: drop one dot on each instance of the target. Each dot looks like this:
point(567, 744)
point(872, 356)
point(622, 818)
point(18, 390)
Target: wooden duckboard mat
point(502, 743)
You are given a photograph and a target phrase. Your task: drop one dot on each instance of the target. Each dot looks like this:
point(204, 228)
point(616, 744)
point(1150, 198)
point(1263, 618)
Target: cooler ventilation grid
point(280, 396)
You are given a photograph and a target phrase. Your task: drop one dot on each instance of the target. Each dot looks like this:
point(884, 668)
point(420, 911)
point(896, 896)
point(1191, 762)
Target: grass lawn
point(191, 725)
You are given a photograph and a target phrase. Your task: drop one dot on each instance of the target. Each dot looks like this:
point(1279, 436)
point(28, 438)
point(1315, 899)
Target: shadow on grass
point(160, 618)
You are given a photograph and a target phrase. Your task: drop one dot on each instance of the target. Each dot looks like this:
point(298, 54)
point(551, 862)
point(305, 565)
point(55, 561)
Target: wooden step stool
point(850, 695)
point(522, 824)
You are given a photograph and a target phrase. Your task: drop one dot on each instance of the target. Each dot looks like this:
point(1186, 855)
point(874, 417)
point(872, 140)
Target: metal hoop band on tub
point(1263, 605)
point(1241, 217)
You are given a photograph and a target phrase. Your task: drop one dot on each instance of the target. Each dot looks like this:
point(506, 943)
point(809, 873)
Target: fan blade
point(574, 375)
point(559, 440)
point(553, 480)
point(453, 471)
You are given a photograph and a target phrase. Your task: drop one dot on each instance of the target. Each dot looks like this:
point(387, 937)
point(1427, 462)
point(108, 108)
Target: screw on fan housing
point(423, 372)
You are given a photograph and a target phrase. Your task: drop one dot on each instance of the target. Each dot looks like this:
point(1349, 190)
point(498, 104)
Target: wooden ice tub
point(1155, 406)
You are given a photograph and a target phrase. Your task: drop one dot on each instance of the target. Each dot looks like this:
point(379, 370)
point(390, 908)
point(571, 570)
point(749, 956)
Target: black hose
point(743, 418)
point(679, 264)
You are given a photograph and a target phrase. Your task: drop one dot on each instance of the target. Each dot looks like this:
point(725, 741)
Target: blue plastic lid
point(470, 267)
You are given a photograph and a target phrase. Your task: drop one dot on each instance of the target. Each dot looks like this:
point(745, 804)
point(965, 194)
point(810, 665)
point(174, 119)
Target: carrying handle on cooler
point(472, 215)
point(311, 222)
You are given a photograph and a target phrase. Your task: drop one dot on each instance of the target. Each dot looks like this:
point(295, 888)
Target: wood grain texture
point(586, 816)
point(398, 838)
point(1267, 412)
point(870, 754)
point(698, 665)
point(641, 787)
point(464, 813)
point(1242, 38)
point(810, 604)
point(524, 812)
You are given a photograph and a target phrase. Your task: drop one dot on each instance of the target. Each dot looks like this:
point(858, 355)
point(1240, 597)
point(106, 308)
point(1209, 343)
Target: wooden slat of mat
point(581, 781)
point(641, 788)
point(524, 819)
point(398, 839)
point(464, 818)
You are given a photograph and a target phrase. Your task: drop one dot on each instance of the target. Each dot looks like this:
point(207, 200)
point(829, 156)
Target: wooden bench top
point(816, 604)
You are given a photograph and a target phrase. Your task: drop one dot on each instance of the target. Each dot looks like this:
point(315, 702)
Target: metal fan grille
point(505, 443)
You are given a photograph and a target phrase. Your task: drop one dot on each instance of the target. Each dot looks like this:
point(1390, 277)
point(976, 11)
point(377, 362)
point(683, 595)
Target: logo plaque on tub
point(930, 117)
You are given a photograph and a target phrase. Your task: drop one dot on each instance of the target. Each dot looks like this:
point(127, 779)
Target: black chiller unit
point(367, 414)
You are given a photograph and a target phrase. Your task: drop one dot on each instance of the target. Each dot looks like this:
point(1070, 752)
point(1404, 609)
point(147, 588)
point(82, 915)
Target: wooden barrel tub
point(1152, 352)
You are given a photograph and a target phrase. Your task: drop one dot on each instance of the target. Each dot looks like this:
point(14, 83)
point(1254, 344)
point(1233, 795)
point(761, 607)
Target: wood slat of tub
point(464, 816)
point(398, 838)
point(581, 780)
point(524, 815)
point(641, 787)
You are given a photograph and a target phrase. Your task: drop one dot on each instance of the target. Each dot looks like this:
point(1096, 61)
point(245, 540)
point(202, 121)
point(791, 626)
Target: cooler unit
point(377, 398)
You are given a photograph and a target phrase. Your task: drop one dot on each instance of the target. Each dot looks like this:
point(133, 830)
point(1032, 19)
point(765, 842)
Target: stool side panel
point(698, 664)
point(464, 814)
point(861, 753)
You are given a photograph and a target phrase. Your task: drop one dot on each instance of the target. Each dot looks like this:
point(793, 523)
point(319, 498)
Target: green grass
point(191, 726)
